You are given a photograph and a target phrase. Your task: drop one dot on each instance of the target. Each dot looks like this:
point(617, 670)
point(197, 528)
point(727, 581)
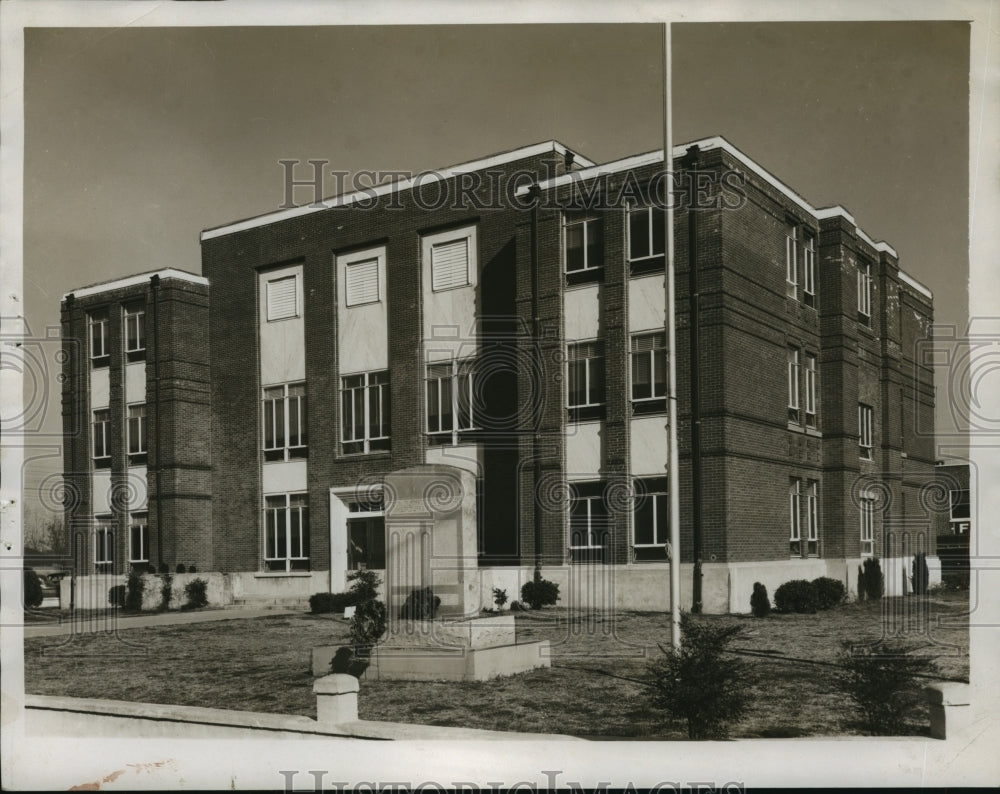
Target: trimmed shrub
point(32, 589)
point(163, 568)
point(882, 683)
point(760, 604)
point(116, 595)
point(166, 591)
point(920, 576)
point(870, 581)
point(798, 595)
point(321, 603)
point(700, 684)
point(192, 569)
point(499, 597)
point(196, 593)
point(515, 606)
point(539, 592)
point(133, 590)
point(420, 604)
point(829, 592)
point(180, 567)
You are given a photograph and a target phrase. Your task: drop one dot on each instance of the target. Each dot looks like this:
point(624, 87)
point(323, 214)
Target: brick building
point(507, 317)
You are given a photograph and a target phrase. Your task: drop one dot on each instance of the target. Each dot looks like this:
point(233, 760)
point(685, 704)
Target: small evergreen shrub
point(920, 575)
point(499, 597)
point(133, 590)
point(32, 589)
point(798, 595)
point(369, 621)
point(883, 684)
point(180, 567)
point(166, 591)
point(192, 569)
point(829, 592)
point(420, 604)
point(515, 606)
point(539, 592)
point(700, 684)
point(870, 581)
point(760, 604)
point(321, 603)
point(196, 593)
point(163, 568)
point(116, 595)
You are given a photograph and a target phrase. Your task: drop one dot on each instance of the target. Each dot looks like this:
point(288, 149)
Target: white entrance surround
point(340, 512)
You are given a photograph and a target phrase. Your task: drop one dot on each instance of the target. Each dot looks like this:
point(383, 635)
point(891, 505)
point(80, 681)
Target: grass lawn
point(593, 689)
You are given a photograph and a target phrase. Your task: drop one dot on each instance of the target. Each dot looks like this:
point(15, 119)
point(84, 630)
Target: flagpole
point(673, 474)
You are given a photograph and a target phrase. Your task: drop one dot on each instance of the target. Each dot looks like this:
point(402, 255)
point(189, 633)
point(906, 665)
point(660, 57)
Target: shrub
point(116, 595)
point(196, 592)
point(32, 589)
point(133, 590)
point(192, 569)
point(829, 592)
point(499, 597)
point(798, 595)
point(180, 567)
point(699, 684)
point(368, 623)
point(921, 576)
point(166, 591)
point(760, 604)
point(539, 592)
point(320, 603)
point(163, 568)
point(870, 579)
point(883, 684)
point(515, 606)
point(420, 604)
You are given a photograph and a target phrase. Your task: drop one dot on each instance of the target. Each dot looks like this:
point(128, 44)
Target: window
point(865, 419)
point(812, 520)
point(135, 333)
point(99, 354)
point(651, 521)
point(588, 523)
point(450, 400)
point(365, 536)
point(867, 510)
point(793, 385)
point(138, 538)
point(960, 513)
point(584, 243)
point(102, 448)
point(362, 282)
point(792, 260)
point(645, 239)
point(136, 431)
point(450, 264)
point(649, 369)
point(864, 292)
point(285, 433)
point(810, 390)
point(365, 412)
point(104, 545)
point(286, 532)
point(585, 369)
point(795, 518)
point(282, 298)
point(809, 270)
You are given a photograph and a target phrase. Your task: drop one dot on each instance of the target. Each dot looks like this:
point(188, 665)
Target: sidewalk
point(112, 621)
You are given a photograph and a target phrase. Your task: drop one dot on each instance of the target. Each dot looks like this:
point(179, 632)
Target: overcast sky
point(136, 139)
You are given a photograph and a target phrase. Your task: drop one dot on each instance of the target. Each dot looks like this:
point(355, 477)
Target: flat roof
point(138, 278)
point(426, 177)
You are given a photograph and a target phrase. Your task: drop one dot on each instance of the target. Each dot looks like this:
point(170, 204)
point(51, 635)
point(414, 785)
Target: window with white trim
point(865, 292)
point(646, 238)
point(282, 298)
point(138, 538)
point(650, 521)
point(810, 372)
point(812, 519)
point(136, 434)
point(794, 407)
point(585, 377)
point(866, 418)
point(99, 351)
point(104, 544)
point(791, 260)
point(286, 532)
point(284, 422)
point(795, 517)
point(649, 368)
point(867, 512)
point(809, 270)
point(99, 431)
point(588, 523)
point(361, 282)
point(583, 242)
point(450, 264)
point(365, 412)
point(135, 333)
point(450, 393)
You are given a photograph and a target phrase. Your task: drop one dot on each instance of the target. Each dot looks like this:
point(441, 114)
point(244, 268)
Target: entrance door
point(366, 543)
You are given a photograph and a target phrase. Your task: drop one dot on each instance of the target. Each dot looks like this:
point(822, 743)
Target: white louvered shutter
point(450, 264)
point(362, 282)
point(282, 299)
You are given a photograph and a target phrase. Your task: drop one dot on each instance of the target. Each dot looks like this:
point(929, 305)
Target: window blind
point(362, 282)
point(282, 300)
point(450, 264)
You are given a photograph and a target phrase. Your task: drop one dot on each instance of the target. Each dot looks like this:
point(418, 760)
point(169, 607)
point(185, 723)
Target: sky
point(137, 138)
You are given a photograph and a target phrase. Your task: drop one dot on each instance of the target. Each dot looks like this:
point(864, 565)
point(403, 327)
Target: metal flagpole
point(673, 476)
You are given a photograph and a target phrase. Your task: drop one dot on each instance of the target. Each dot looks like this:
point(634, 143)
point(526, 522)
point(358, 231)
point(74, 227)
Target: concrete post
point(336, 698)
point(949, 708)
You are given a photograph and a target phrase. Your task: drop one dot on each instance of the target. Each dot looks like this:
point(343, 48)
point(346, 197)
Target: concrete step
point(263, 602)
